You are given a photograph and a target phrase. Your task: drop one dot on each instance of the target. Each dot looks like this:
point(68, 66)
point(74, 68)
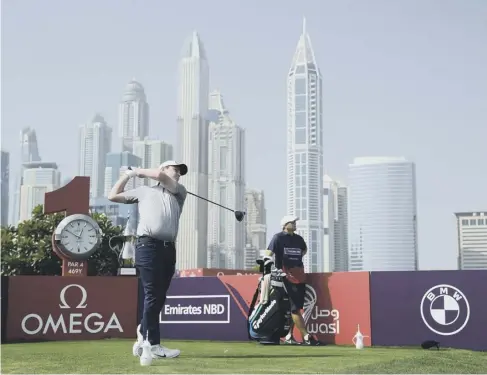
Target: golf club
point(239, 215)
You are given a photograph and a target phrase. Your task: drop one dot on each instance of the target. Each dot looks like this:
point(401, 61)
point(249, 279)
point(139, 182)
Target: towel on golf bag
point(270, 319)
point(265, 288)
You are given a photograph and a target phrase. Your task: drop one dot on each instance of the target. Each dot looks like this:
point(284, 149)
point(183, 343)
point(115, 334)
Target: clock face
point(79, 237)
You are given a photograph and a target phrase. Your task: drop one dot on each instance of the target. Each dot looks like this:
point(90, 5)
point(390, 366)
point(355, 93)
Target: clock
point(78, 236)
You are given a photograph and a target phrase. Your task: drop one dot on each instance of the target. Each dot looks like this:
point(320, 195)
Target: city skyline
point(400, 125)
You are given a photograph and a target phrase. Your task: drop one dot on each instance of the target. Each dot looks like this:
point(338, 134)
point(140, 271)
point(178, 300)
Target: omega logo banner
point(63, 308)
point(447, 306)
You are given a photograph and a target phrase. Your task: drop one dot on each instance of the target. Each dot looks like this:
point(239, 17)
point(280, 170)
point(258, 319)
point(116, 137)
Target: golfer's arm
point(117, 189)
point(158, 175)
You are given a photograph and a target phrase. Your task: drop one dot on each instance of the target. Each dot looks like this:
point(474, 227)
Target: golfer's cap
point(182, 167)
point(288, 219)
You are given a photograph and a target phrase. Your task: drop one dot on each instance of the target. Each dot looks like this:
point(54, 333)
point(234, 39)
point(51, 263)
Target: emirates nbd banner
point(408, 308)
point(205, 308)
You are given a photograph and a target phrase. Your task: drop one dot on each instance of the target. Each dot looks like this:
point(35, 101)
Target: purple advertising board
point(203, 308)
point(450, 307)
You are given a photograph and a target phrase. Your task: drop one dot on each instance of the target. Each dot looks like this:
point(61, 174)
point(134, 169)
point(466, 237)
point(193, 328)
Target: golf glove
point(131, 173)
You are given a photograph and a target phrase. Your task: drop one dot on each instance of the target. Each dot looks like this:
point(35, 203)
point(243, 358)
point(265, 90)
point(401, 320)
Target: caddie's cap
point(288, 219)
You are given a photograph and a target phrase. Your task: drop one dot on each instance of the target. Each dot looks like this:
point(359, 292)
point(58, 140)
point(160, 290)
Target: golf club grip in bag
point(270, 321)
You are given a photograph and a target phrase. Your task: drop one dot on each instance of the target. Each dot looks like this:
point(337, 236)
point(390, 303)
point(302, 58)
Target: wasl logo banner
point(319, 320)
point(335, 304)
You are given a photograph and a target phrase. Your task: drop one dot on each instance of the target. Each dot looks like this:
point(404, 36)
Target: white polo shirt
point(158, 210)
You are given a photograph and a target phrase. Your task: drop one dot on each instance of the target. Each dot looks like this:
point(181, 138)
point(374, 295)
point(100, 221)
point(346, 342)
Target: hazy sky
point(400, 78)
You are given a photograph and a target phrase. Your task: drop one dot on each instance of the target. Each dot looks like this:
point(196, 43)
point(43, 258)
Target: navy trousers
point(155, 261)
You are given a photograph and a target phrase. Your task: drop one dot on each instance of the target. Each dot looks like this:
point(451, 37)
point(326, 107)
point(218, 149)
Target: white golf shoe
point(137, 348)
point(159, 351)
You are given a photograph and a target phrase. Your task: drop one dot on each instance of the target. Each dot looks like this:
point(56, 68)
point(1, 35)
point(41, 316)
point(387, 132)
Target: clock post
point(73, 240)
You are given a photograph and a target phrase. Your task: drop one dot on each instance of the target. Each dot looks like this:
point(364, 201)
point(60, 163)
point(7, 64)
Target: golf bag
point(270, 318)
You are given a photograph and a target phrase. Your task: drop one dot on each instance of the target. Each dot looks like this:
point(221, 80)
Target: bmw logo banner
point(447, 306)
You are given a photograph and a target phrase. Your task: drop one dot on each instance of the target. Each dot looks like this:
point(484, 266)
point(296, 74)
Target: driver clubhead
point(239, 215)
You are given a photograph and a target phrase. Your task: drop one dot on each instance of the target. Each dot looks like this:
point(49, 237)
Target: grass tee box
point(114, 357)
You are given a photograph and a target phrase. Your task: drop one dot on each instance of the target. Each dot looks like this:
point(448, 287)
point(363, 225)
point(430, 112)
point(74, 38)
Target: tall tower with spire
point(305, 149)
point(192, 121)
point(133, 115)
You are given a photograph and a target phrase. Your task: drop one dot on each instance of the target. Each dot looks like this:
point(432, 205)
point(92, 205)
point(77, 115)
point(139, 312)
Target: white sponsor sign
point(197, 309)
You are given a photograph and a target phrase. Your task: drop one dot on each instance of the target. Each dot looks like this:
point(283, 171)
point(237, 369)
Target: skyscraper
point(226, 160)
point(329, 217)
point(152, 153)
point(133, 115)
point(335, 220)
point(29, 149)
point(341, 230)
point(255, 226)
point(117, 163)
point(38, 179)
point(305, 150)
point(95, 141)
point(472, 240)
point(29, 152)
point(5, 187)
point(382, 203)
point(192, 121)
point(255, 220)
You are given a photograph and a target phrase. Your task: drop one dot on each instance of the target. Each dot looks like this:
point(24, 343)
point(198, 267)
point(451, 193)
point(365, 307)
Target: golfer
point(159, 209)
point(288, 249)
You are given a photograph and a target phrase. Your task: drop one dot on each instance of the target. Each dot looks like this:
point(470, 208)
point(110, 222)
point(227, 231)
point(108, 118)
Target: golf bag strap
point(251, 308)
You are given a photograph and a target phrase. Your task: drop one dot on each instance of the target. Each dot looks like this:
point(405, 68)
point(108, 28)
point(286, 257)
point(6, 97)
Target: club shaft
point(197, 196)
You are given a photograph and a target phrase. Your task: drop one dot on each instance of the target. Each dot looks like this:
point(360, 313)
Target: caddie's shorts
point(296, 294)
